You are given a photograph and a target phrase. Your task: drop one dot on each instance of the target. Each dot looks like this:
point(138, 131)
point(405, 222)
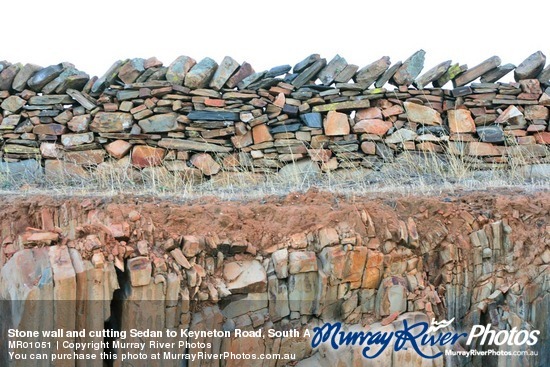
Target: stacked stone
point(200, 118)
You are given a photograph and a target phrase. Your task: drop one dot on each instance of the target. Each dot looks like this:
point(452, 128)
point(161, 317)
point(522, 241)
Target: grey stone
point(497, 73)
point(384, 78)
point(8, 75)
point(544, 76)
point(433, 74)
point(536, 171)
point(278, 298)
point(77, 82)
point(178, 69)
point(159, 123)
point(264, 83)
point(26, 72)
point(310, 73)
point(312, 119)
point(223, 73)
point(303, 290)
point(302, 65)
point(530, 67)
point(302, 169)
point(214, 115)
point(10, 122)
point(400, 136)
point(108, 78)
point(278, 70)
point(332, 70)
point(13, 104)
point(490, 134)
point(285, 128)
point(368, 74)
point(345, 75)
point(44, 76)
point(452, 72)
point(461, 91)
point(52, 86)
point(384, 152)
point(26, 169)
point(125, 95)
point(51, 99)
point(199, 76)
point(477, 71)
point(438, 131)
point(84, 99)
point(71, 140)
point(410, 69)
point(243, 84)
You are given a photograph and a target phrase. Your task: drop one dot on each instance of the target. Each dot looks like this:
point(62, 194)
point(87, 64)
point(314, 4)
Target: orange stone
point(205, 163)
point(374, 126)
point(543, 137)
point(461, 121)
point(368, 113)
point(422, 114)
point(536, 112)
point(146, 156)
point(479, 149)
point(280, 100)
point(336, 124)
point(368, 147)
point(428, 146)
point(211, 102)
point(118, 148)
point(393, 111)
point(261, 134)
point(241, 141)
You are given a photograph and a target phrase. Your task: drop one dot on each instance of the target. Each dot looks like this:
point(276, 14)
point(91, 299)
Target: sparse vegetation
point(410, 172)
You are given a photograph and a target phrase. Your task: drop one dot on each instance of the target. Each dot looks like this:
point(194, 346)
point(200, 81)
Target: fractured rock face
point(245, 277)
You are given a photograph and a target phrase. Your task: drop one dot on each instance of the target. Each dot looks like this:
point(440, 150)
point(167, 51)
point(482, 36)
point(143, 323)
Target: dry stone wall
point(199, 118)
point(478, 261)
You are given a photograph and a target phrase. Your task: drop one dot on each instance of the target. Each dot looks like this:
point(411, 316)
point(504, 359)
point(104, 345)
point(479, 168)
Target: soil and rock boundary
point(283, 263)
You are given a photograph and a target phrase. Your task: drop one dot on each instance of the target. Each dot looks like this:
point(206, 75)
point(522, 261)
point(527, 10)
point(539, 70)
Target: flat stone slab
point(477, 71)
point(370, 73)
point(223, 73)
point(333, 69)
point(530, 67)
point(433, 74)
point(312, 119)
point(410, 69)
point(44, 76)
point(497, 73)
point(159, 123)
point(490, 134)
point(180, 144)
point(340, 106)
point(213, 115)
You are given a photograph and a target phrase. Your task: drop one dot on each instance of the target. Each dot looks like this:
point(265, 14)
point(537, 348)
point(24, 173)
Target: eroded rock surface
point(285, 263)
